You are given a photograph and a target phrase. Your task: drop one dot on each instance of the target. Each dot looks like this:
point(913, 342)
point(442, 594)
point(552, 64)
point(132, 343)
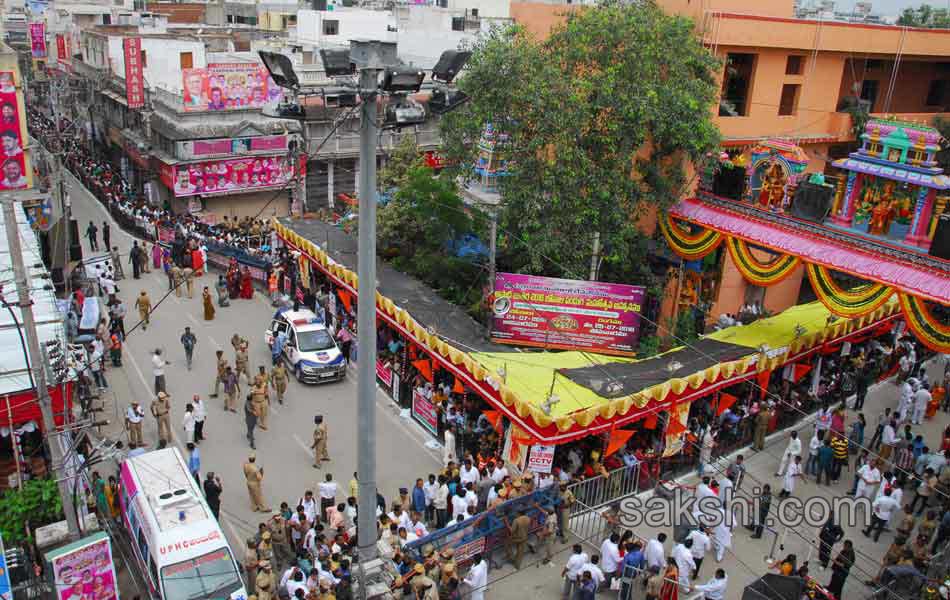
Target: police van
point(308, 347)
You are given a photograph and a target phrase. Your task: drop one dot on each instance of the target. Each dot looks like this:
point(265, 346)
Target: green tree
point(925, 16)
point(603, 117)
point(36, 504)
point(405, 156)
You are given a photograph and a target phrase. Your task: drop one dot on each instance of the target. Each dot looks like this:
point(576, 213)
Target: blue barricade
point(486, 531)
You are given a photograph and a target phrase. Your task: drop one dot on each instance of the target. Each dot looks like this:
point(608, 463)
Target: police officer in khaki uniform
point(761, 428)
point(431, 562)
point(278, 379)
point(189, 276)
point(266, 549)
point(161, 407)
point(177, 279)
point(265, 582)
point(283, 553)
point(144, 304)
point(262, 376)
point(251, 560)
point(133, 422)
point(319, 445)
point(255, 477)
point(518, 537)
point(259, 400)
point(240, 361)
point(222, 371)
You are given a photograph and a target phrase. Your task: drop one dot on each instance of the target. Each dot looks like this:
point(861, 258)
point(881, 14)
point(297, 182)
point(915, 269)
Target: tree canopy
point(925, 16)
point(603, 118)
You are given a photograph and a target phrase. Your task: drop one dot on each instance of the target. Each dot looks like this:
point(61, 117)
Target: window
point(788, 104)
point(736, 85)
point(458, 23)
point(754, 294)
point(874, 148)
point(475, 12)
point(107, 19)
point(143, 58)
point(185, 59)
point(793, 65)
point(331, 27)
point(916, 156)
point(937, 92)
point(211, 575)
point(869, 92)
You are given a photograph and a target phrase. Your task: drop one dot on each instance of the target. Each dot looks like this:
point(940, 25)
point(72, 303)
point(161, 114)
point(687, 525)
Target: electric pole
point(370, 65)
point(34, 362)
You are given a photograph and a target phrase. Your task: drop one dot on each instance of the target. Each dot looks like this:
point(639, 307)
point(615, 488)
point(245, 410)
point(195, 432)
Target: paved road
point(283, 451)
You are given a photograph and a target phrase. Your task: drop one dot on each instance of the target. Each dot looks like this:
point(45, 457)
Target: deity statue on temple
point(773, 187)
point(884, 211)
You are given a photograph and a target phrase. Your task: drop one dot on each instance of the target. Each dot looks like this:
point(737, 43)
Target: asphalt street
point(284, 450)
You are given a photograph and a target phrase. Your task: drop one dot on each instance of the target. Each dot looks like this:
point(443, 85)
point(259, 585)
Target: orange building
point(790, 78)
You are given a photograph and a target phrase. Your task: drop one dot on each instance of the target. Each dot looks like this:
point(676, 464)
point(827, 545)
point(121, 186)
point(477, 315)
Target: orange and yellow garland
point(686, 245)
point(928, 329)
point(757, 272)
point(849, 304)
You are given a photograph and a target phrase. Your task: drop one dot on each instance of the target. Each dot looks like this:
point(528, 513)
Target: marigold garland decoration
point(686, 245)
point(928, 329)
point(757, 272)
point(849, 304)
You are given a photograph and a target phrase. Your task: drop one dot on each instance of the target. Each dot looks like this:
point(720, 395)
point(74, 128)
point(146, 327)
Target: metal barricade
point(603, 490)
point(486, 532)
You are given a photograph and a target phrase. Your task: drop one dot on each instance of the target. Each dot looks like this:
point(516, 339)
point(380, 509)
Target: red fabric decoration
point(650, 422)
point(425, 369)
point(458, 388)
point(763, 380)
point(494, 417)
point(675, 427)
point(346, 299)
point(799, 371)
point(725, 401)
point(618, 439)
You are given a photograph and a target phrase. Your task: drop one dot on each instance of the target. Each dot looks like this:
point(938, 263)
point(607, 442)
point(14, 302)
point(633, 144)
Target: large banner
point(568, 314)
point(424, 411)
point(38, 40)
point(134, 78)
point(228, 86)
point(12, 133)
point(218, 177)
point(84, 569)
point(224, 147)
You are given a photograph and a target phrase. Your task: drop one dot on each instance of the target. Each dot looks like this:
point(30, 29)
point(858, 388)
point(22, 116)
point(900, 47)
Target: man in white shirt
point(309, 506)
point(701, 544)
point(327, 490)
point(726, 490)
point(883, 508)
point(499, 472)
point(888, 439)
point(158, 370)
point(133, 422)
point(459, 504)
point(715, 588)
point(440, 502)
point(684, 563)
point(793, 472)
point(468, 473)
point(448, 448)
point(610, 554)
point(869, 476)
point(596, 574)
point(477, 577)
point(654, 553)
point(908, 388)
point(572, 570)
point(793, 449)
point(921, 400)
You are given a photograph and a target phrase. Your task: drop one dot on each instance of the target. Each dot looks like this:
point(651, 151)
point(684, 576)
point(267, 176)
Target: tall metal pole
point(366, 319)
point(492, 249)
point(35, 363)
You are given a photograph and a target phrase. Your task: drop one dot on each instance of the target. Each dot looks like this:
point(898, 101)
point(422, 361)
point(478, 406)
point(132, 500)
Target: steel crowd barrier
point(485, 532)
point(600, 490)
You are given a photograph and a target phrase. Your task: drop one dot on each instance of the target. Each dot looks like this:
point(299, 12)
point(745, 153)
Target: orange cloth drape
point(425, 369)
point(458, 388)
point(346, 299)
point(725, 401)
point(494, 417)
point(799, 371)
point(618, 439)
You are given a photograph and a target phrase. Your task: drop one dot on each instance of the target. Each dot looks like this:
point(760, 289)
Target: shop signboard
point(14, 174)
point(38, 40)
point(228, 86)
point(84, 569)
point(541, 458)
point(568, 314)
point(219, 177)
point(225, 147)
point(134, 76)
point(384, 373)
point(423, 410)
point(60, 47)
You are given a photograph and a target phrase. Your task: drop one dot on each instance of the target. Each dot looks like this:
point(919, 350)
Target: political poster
point(38, 40)
point(134, 75)
point(424, 411)
point(84, 569)
point(568, 314)
point(228, 86)
point(219, 177)
point(12, 133)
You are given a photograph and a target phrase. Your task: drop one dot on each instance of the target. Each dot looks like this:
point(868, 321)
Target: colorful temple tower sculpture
point(492, 157)
point(773, 173)
point(894, 187)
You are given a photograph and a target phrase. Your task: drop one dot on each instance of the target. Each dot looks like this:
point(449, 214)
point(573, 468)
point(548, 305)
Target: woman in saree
point(234, 282)
point(208, 304)
point(221, 287)
point(157, 256)
point(247, 287)
point(670, 588)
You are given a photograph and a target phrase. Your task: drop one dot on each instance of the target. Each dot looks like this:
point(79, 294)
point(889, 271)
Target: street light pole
point(366, 317)
point(35, 363)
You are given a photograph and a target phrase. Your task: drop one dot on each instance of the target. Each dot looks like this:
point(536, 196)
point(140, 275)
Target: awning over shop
point(899, 272)
point(520, 383)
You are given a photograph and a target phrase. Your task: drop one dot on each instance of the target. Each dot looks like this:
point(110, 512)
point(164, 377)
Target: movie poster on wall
point(38, 40)
point(13, 165)
point(227, 176)
point(228, 86)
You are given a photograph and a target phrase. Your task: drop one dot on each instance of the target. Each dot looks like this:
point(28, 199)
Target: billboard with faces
point(227, 86)
point(228, 176)
point(13, 169)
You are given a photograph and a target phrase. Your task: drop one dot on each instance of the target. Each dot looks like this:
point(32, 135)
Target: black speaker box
point(75, 248)
point(812, 201)
point(940, 247)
